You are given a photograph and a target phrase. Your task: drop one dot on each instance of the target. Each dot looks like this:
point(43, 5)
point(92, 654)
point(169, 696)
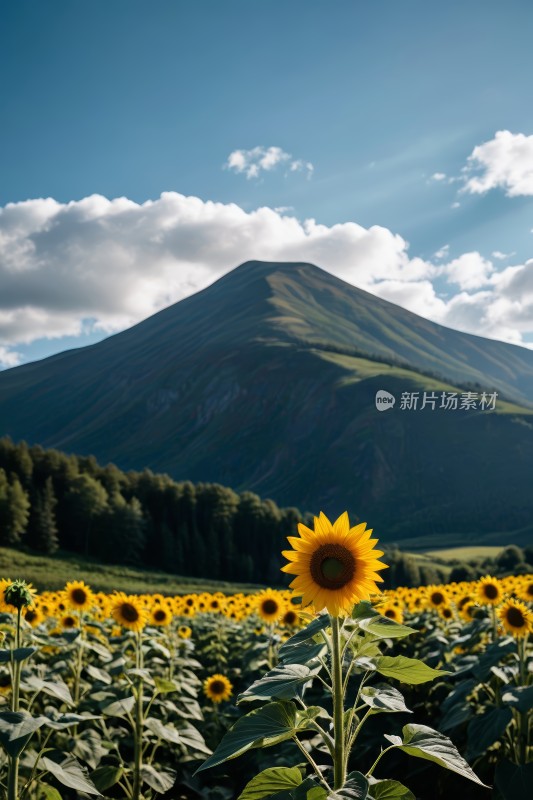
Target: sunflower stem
point(79, 661)
point(338, 705)
point(138, 726)
point(13, 773)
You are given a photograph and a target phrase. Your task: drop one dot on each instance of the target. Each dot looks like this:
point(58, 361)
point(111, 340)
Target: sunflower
point(34, 616)
point(392, 611)
point(68, 621)
point(335, 565)
point(436, 596)
point(129, 611)
point(217, 688)
point(516, 618)
point(525, 589)
point(184, 632)
point(78, 596)
point(20, 594)
point(489, 591)
point(290, 618)
point(269, 605)
point(160, 615)
point(446, 612)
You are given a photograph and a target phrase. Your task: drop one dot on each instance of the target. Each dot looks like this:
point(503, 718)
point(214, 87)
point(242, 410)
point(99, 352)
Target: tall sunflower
point(218, 688)
point(270, 605)
point(516, 618)
point(335, 565)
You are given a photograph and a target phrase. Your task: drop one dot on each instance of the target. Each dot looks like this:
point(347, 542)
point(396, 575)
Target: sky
point(146, 149)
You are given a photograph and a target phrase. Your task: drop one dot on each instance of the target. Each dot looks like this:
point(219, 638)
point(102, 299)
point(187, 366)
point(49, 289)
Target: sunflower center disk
point(515, 617)
point(332, 566)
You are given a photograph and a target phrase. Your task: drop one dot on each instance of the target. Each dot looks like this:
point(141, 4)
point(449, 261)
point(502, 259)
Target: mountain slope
point(266, 381)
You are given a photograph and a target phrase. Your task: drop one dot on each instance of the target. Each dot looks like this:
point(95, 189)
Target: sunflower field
point(334, 690)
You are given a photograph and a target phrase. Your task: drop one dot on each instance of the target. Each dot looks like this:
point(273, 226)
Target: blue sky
point(377, 108)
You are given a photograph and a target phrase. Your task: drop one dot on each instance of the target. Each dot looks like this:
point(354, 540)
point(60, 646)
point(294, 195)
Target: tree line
point(51, 501)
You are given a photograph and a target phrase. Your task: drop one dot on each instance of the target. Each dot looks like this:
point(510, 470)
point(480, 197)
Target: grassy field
point(465, 553)
point(52, 573)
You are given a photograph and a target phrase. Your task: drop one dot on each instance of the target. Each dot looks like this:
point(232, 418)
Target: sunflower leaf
point(423, 742)
point(385, 628)
point(282, 683)
point(270, 782)
point(406, 670)
point(389, 790)
point(383, 698)
point(262, 727)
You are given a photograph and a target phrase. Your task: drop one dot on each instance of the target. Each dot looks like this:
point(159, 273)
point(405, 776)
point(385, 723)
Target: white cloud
point(265, 159)
point(501, 256)
point(107, 264)
point(438, 176)
point(442, 252)
point(469, 271)
point(504, 162)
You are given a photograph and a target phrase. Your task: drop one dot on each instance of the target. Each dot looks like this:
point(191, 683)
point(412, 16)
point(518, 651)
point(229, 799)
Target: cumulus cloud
point(438, 176)
point(504, 162)
point(265, 159)
point(99, 264)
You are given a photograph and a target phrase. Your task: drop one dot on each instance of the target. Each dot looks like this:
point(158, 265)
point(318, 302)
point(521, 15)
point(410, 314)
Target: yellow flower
point(490, 591)
point(516, 618)
point(335, 565)
point(392, 611)
point(184, 632)
point(269, 605)
point(68, 621)
point(34, 616)
point(129, 611)
point(218, 688)
point(436, 596)
point(78, 596)
point(160, 615)
point(5, 682)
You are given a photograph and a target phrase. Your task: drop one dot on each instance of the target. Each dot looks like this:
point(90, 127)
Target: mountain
point(266, 381)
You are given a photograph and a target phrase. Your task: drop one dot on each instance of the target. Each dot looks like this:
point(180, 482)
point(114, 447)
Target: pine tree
point(14, 509)
point(42, 528)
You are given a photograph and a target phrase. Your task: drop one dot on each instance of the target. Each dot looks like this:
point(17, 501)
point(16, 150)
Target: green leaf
point(165, 686)
point(159, 780)
point(119, 708)
point(16, 729)
point(383, 698)
point(262, 727)
point(166, 732)
point(310, 790)
point(98, 674)
point(514, 782)
point(520, 697)
point(281, 683)
point(385, 628)
point(57, 688)
point(70, 773)
point(271, 781)
point(44, 791)
point(390, 790)
point(423, 742)
point(22, 653)
point(406, 670)
point(66, 720)
point(301, 653)
point(106, 777)
point(485, 729)
point(355, 788)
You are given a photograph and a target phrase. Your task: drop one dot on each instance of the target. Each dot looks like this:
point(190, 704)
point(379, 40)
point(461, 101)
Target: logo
point(384, 400)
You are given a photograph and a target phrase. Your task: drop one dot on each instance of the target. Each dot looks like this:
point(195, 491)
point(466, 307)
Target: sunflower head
point(160, 616)
point(18, 594)
point(184, 632)
point(436, 596)
point(516, 618)
point(129, 611)
point(489, 591)
point(270, 605)
point(218, 688)
point(78, 596)
point(335, 566)
point(5, 682)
